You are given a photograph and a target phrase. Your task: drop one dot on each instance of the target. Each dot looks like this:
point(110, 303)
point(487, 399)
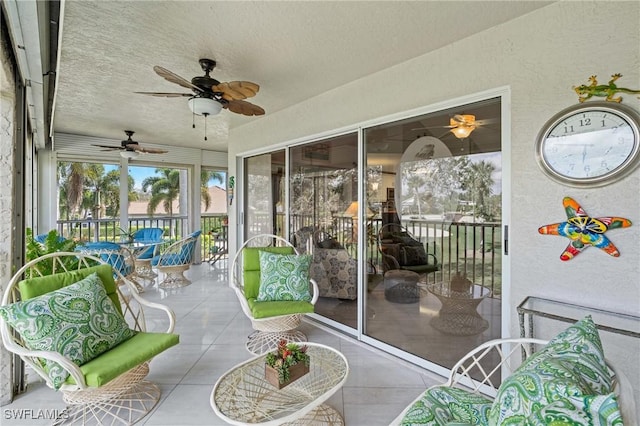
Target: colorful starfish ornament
point(584, 231)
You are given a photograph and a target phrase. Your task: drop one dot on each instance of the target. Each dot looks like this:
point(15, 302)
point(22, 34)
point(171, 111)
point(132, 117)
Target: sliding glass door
point(437, 248)
point(425, 203)
point(323, 221)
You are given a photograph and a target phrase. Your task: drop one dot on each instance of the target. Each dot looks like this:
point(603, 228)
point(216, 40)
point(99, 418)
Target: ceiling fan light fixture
point(204, 106)
point(129, 154)
point(462, 128)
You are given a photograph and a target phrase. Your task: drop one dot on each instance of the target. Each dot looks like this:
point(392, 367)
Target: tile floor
point(212, 332)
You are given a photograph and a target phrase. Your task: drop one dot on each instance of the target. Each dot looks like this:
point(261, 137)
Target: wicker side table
point(243, 395)
point(459, 312)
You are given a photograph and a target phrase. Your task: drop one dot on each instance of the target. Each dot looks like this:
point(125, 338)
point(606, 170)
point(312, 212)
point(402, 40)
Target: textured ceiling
point(293, 50)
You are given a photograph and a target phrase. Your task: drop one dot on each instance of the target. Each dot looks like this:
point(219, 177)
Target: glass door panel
point(324, 220)
point(434, 182)
point(264, 188)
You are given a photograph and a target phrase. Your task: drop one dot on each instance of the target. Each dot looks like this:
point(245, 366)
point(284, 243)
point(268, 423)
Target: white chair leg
point(174, 277)
point(123, 401)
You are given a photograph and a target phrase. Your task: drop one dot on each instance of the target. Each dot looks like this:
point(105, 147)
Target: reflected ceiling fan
point(130, 148)
point(209, 96)
point(461, 125)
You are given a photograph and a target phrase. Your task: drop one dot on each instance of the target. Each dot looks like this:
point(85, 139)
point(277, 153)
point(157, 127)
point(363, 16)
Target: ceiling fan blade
point(149, 150)
point(486, 121)
point(236, 90)
point(166, 95)
point(244, 108)
point(175, 78)
point(109, 147)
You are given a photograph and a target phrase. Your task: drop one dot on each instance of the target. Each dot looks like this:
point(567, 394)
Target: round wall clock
point(590, 144)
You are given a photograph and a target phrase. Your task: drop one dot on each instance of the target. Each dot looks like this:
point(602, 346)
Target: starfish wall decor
point(584, 231)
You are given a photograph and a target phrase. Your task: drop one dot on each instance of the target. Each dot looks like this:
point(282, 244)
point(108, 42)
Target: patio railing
point(474, 249)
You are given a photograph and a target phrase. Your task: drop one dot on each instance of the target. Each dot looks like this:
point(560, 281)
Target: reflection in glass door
point(324, 221)
point(435, 181)
point(264, 200)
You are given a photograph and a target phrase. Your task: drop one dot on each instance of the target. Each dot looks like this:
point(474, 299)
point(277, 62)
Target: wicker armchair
point(175, 260)
point(109, 388)
point(470, 392)
point(150, 240)
point(119, 257)
point(271, 320)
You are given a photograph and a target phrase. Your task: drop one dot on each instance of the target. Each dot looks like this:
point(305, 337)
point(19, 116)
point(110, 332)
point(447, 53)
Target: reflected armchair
point(401, 250)
point(273, 319)
point(175, 260)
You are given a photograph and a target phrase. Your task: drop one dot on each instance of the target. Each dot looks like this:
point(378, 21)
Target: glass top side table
point(613, 322)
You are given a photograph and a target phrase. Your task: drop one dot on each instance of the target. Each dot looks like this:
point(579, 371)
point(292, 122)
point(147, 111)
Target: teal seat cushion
point(278, 307)
point(251, 267)
point(570, 368)
point(138, 349)
point(78, 321)
point(443, 405)
point(284, 277)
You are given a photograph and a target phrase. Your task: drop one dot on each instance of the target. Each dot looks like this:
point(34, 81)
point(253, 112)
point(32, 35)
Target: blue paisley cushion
point(442, 405)
point(284, 277)
point(78, 321)
point(570, 367)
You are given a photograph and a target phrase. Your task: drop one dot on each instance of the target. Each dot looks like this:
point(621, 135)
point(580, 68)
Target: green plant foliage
point(287, 355)
point(53, 243)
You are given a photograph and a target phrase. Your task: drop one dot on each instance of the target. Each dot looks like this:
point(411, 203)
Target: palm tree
point(205, 177)
point(71, 185)
point(164, 189)
point(481, 187)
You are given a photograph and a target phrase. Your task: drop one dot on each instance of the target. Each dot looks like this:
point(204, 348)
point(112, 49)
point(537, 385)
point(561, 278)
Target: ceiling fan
point(461, 125)
point(130, 148)
point(208, 95)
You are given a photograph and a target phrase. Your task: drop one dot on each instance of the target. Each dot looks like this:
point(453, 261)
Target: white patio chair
point(107, 389)
point(271, 320)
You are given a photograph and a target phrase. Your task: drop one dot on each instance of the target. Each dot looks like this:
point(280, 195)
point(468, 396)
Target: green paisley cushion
point(442, 405)
point(78, 321)
point(570, 366)
point(592, 410)
point(284, 277)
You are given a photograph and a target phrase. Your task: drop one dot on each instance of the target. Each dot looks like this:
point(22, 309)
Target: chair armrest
point(435, 259)
point(387, 259)
point(138, 316)
point(316, 291)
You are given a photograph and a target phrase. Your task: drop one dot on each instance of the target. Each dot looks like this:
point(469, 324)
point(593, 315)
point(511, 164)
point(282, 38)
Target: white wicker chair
point(125, 399)
point(472, 373)
point(268, 331)
point(175, 260)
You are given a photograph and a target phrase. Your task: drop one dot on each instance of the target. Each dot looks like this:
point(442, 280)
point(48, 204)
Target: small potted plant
point(288, 363)
point(127, 235)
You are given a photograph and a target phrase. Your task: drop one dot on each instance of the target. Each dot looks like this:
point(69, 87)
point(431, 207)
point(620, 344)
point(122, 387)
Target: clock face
point(589, 144)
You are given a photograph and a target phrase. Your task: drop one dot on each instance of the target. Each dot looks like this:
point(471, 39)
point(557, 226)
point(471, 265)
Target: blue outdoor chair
point(119, 257)
point(176, 259)
point(151, 238)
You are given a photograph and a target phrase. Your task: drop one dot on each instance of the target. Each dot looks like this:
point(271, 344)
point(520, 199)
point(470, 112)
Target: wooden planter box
point(295, 372)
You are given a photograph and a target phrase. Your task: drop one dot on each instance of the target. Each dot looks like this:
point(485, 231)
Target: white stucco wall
point(7, 119)
point(540, 57)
